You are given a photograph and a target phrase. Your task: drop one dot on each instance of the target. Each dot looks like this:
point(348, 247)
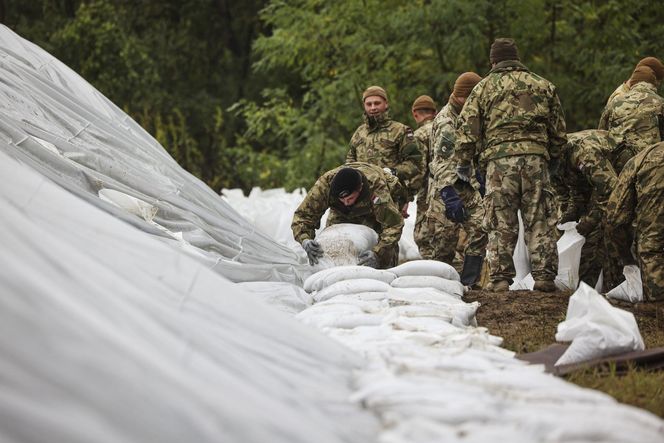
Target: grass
point(527, 321)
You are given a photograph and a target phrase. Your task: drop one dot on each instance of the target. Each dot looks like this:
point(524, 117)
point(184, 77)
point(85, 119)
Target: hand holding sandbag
point(314, 251)
point(368, 258)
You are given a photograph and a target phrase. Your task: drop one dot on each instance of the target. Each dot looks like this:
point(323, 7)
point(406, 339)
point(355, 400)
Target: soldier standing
point(424, 110)
point(589, 178)
point(383, 142)
point(636, 206)
point(651, 62)
point(358, 193)
point(513, 121)
point(452, 203)
point(635, 119)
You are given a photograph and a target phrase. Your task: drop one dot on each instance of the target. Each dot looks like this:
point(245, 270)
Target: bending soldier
point(358, 193)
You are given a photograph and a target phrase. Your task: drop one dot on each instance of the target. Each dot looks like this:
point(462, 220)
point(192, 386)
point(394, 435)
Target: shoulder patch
point(409, 134)
point(375, 199)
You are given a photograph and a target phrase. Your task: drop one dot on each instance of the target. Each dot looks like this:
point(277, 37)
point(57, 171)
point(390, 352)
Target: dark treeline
point(259, 92)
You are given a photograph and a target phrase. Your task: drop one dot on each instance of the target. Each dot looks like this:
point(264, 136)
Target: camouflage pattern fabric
point(520, 182)
point(619, 92)
point(512, 123)
point(423, 137)
point(444, 234)
point(634, 122)
point(636, 205)
point(511, 111)
point(388, 144)
point(590, 178)
point(375, 208)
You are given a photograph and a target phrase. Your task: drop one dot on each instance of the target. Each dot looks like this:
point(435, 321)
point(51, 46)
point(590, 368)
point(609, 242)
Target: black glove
point(482, 181)
point(368, 258)
point(463, 172)
point(454, 209)
point(584, 227)
point(314, 251)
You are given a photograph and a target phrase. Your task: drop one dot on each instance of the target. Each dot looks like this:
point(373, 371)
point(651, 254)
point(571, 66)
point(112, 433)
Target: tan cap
point(654, 64)
point(374, 91)
point(424, 102)
point(643, 74)
point(465, 83)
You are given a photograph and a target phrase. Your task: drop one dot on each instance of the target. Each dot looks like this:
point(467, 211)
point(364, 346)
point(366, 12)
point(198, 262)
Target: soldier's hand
point(404, 210)
point(454, 209)
point(463, 172)
point(584, 228)
point(314, 251)
point(368, 258)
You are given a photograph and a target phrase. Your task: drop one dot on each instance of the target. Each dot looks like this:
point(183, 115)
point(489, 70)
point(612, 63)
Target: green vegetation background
point(268, 93)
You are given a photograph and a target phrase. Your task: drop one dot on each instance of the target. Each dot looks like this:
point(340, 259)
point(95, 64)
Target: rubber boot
point(472, 269)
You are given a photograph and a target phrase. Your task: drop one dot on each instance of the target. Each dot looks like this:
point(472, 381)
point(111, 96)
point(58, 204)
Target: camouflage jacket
point(388, 144)
point(511, 111)
point(634, 118)
point(588, 175)
point(638, 196)
point(619, 92)
point(423, 135)
point(443, 163)
point(375, 206)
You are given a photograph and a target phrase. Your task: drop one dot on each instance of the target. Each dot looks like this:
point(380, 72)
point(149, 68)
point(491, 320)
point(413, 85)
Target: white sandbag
point(343, 242)
point(422, 295)
point(569, 256)
point(285, 296)
point(351, 287)
point(408, 249)
point(343, 320)
point(432, 268)
point(527, 283)
point(631, 289)
point(131, 204)
point(419, 281)
point(327, 277)
point(521, 256)
point(596, 328)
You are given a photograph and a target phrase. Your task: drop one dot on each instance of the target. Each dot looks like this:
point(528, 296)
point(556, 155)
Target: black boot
point(472, 269)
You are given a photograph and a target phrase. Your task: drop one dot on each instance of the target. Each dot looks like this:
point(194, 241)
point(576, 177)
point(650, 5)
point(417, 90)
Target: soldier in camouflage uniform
point(445, 220)
point(424, 110)
point(514, 123)
point(590, 178)
point(383, 142)
point(358, 193)
point(651, 62)
point(636, 206)
point(635, 119)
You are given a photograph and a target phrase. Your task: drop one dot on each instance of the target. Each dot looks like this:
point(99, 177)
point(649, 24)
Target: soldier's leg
point(421, 233)
point(652, 274)
point(593, 255)
point(443, 233)
point(540, 216)
point(500, 216)
point(475, 249)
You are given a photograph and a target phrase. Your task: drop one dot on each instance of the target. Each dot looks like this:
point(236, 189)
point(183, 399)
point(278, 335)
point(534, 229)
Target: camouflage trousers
point(444, 233)
point(421, 232)
point(593, 256)
point(513, 183)
point(652, 274)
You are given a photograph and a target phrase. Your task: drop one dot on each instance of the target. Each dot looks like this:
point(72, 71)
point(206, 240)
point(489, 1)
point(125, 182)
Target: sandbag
point(449, 286)
point(343, 242)
point(569, 256)
point(351, 287)
point(596, 328)
point(327, 277)
point(283, 295)
point(631, 289)
point(426, 268)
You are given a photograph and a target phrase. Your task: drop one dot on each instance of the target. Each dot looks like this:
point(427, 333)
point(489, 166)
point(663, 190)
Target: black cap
point(345, 182)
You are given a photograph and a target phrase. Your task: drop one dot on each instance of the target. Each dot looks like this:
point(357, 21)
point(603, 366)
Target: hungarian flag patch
point(375, 199)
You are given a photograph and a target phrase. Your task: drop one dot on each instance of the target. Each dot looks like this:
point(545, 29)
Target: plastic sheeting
point(55, 122)
point(109, 335)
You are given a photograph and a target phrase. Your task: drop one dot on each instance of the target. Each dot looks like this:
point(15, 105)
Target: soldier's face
point(375, 105)
point(351, 198)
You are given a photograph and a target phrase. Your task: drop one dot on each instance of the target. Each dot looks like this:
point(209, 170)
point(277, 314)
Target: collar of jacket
point(381, 121)
point(425, 121)
point(509, 65)
point(645, 85)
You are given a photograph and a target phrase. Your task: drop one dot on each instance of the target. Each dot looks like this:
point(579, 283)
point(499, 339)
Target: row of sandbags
point(431, 375)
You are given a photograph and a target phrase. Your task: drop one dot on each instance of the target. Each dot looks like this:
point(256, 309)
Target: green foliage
point(268, 92)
